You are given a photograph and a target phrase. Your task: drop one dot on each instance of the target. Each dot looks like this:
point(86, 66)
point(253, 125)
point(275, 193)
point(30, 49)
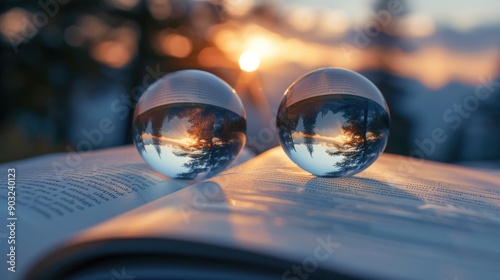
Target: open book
point(109, 216)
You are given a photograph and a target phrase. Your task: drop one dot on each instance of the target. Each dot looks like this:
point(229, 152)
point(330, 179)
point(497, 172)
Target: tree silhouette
point(288, 121)
point(309, 121)
point(155, 118)
point(365, 126)
point(218, 136)
point(364, 129)
point(392, 86)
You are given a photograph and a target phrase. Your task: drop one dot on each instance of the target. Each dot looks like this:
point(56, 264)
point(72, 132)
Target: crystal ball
point(333, 122)
point(189, 124)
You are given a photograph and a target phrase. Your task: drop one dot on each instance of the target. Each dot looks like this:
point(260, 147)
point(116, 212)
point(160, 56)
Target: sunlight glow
point(433, 65)
point(249, 61)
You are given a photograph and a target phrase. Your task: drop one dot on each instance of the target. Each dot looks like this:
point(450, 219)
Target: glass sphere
point(189, 124)
point(333, 122)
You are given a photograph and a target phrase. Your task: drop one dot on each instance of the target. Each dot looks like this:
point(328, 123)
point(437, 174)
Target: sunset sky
point(465, 14)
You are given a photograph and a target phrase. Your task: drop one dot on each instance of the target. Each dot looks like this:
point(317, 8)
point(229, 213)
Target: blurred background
point(69, 64)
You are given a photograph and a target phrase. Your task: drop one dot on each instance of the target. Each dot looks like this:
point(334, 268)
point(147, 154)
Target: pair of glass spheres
point(331, 122)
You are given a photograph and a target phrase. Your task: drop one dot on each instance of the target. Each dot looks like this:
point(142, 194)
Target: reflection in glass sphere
point(333, 122)
point(189, 124)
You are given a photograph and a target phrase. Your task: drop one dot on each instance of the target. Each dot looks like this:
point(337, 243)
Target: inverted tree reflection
point(363, 127)
point(152, 122)
point(218, 136)
point(214, 136)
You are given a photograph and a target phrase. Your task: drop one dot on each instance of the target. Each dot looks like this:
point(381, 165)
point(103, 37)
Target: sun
point(249, 61)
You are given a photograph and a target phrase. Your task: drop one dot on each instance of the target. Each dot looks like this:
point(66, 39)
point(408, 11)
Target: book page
point(400, 218)
point(58, 195)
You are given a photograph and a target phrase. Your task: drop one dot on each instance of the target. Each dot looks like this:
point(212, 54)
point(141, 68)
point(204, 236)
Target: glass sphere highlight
point(189, 124)
point(333, 122)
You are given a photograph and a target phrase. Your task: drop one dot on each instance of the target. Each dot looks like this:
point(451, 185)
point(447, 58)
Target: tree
point(365, 128)
point(217, 136)
point(155, 118)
